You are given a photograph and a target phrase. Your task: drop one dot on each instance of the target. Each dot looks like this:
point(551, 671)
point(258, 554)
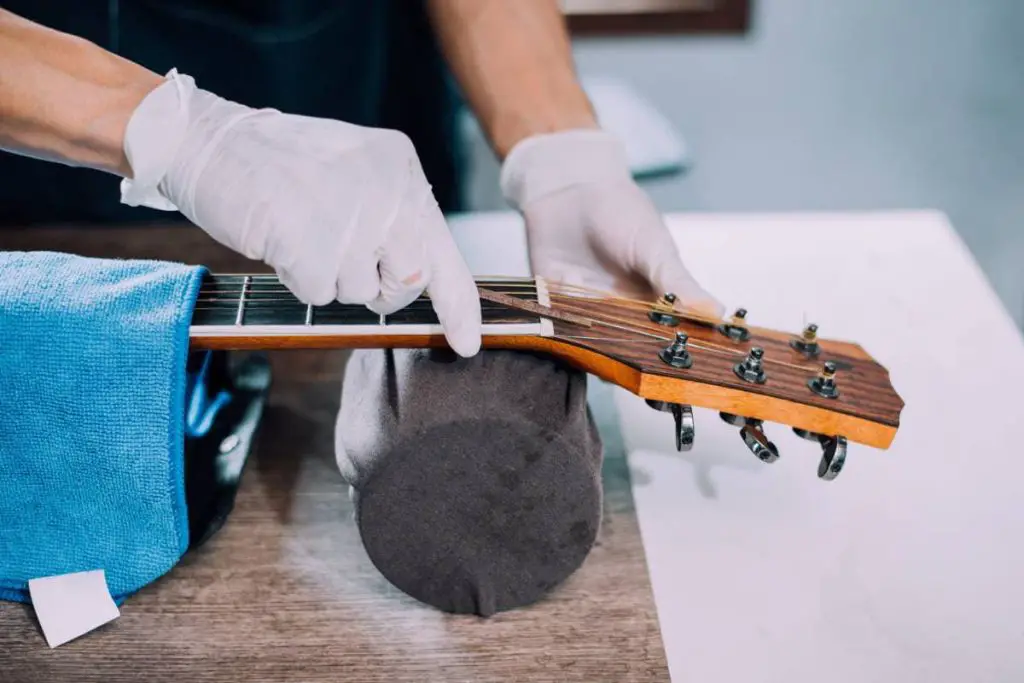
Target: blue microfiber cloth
point(92, 390)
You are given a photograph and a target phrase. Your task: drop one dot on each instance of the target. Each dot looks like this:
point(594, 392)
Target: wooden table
point(285, 590)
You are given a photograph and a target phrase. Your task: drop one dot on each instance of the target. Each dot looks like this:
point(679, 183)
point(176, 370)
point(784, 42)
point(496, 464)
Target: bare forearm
point(514, 63)
point(65, 99)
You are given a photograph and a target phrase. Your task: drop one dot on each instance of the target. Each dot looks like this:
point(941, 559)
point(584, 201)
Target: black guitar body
point(224, 402)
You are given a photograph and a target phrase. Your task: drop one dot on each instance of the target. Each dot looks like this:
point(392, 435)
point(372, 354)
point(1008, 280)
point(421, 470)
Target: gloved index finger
point(452, 290)
point(404, 266)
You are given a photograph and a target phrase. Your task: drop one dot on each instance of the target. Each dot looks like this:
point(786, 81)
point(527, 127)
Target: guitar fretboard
point(261, 304)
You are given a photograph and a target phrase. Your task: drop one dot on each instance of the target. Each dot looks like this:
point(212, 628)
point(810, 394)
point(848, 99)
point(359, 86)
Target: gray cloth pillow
point(476, 482)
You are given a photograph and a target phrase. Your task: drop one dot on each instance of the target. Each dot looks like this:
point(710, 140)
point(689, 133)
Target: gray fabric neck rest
point(476, 482)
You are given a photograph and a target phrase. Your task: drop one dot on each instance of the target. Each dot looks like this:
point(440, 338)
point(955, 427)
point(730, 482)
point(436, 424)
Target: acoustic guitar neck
point(255, 312)
point(825, 389)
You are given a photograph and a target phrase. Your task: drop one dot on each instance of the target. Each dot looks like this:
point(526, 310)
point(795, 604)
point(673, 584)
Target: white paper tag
point(71, 605)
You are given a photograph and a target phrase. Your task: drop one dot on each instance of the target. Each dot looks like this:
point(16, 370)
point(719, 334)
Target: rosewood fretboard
point(239, 306)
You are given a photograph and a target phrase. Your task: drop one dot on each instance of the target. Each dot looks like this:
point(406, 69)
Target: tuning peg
point(675, 354)
point(833, 457)
point(759, 444)
point(833, 453)
point(662, 312)
point(825, 383)
point(807, 342)
point(685, 427)
point(752, 433)
point(736, 329)
point(686, 430)
point(751, 370)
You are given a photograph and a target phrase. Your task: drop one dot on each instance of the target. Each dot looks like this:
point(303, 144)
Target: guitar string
point(694, 343)
point(210, 293)
point(735, 353)
point(618, 323)
point(684, 312)
point(225, 288)
point(617, 340)
point(273, 280)
point(641, 304)
point(606, 321)
point(628, 327)
point(274, 286)
point(614, 323)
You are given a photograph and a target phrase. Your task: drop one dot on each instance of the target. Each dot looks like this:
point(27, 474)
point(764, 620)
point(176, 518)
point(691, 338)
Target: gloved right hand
point(339, 211)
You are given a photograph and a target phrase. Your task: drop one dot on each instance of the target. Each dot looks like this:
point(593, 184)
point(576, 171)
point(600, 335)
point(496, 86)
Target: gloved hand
point(589, 224)
point(339, 211)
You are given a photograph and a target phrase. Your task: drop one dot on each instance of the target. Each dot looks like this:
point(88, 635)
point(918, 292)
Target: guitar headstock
point(828, 391)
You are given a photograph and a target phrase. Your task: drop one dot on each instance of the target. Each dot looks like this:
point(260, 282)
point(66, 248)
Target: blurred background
point(781, 105)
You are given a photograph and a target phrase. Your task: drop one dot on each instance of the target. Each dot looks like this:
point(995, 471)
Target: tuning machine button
point(833, 457)
point(825, 383)
point(676, 354)
point(663, 312)
point(807, 342)
point(752, 433)
point(759, 444)
point(751, 369)
point(686, 430)
point(833, 453)
point(736, 329)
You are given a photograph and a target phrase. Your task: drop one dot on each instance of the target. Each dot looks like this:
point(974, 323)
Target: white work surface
point(910, 565)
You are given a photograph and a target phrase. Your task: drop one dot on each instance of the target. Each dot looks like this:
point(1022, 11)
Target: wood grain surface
point(867, 409)
point(865, 387)
point(285, 591)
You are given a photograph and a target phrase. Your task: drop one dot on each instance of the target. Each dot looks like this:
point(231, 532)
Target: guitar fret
point(240, 316)
point(261, 300)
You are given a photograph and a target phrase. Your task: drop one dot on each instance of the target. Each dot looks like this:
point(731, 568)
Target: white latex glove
point(588, 223)
point(339, 211)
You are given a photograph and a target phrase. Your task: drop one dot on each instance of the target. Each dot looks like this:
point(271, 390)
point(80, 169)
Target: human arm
point(341, 212)
point(514, 63)
point(65, 99)
point(587, 221)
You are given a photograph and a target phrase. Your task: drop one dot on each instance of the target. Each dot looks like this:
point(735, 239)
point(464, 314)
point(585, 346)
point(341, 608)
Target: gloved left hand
point(588, 223)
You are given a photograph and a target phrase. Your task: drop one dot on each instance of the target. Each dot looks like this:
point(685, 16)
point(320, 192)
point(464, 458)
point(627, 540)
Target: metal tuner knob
point(751, 369)
point(663, 311)
point(752, 433)
point(737, 328)
point(833, 453)
point(807, 343)
point(676, 353)
point(825, 383)
point(685, 428)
